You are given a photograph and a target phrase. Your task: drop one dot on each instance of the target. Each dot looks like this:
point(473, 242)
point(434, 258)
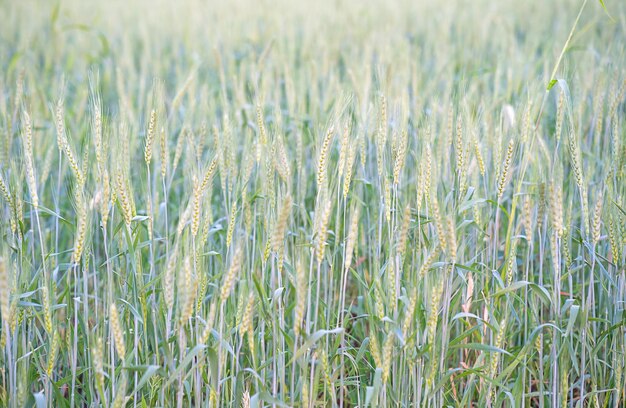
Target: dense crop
point(349, 203)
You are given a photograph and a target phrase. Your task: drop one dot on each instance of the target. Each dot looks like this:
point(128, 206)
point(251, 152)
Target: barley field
point(313, 204)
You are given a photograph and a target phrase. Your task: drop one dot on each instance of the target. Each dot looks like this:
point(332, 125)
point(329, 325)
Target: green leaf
point(265, 396)
point(572, 319)
point(312, 340)
point(192, 353)
point(371, 393)
point(150, 370)
point(551, 84)
point(40, 400)
point(605, 10)
point(539, 290)
point(482, 347)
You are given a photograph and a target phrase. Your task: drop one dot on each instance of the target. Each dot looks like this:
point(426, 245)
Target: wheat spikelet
point(16, 316)
point(615, 142)
point(106, 197)
point(556, 208)
point(362, 143)
point(450, 126)
point(410, 311)
point(81, 225)
point(248, 314)
point(60, 123)
point(433, 314)
point(619, 97)
point(164, 152)
point(428, 262)
point(281, 160)
point(322, 230)
point(120, 397)
point(352, 238)
point(210, 172)
point(209, 324)
point(349, 169)
point(526, 129)
point(618, 364)
point(559, 116)
point(202, 281)
point(231, 224)
point(479, 158)
point(14, 217)
point(499, 341)
point(150, 137)
point(458, 145)
point(427, 173)
point(541, 207)
point(575, 158)
point(197, 197)
point(323, 159)
point(267, 249)
point(599, 111)
point(564, 388)
point(251, 339)
point(441, 232)
point(241, 305)
point(527, 216)
point(382, 124)
point(98, 368)
point(52, 354)
point(420, 189)
point(613, 239)
point(212, 398)
point(222, 150)
point(381, 139)
point(387, 354)
point(47, 314)
point(325, 367)
point(64, 144)
point(186, 292)
point(27, 136)
point(554, 250)
point(231, 276)
point(5, 292)
point(260, 124)
point(305, 393)
point(85, 161)
point(4, 190)
point(400, 158)
point(378, 301)
point(511, 265)
point(245, 399)
point(469, 294)
point(97, 135)
point(431, 326)
point(387, 200)
point(451, 239)
point(168, 280)
point(505, 169)
point(375, 350)
point(123, 196)
point(343, 151)
point(494, 360)
point(392, 283)
point(118, 332)
point(597, 219)
point(301, 294)
point(178, 152)
point(281, 224)
point(269, 181)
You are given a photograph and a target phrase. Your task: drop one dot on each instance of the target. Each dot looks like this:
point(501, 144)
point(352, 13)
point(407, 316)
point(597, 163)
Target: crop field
point(313, 204)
